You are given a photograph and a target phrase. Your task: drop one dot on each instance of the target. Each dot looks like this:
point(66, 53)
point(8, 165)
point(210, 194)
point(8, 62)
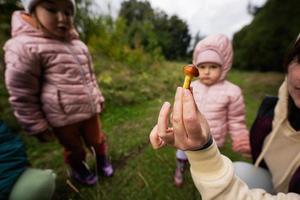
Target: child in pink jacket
point(220, 101)
point(52, 87)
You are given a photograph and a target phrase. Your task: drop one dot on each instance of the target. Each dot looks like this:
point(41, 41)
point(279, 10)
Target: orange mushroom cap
point(190, 70)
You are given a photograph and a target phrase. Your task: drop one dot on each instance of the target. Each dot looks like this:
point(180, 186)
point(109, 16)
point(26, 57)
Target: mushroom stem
point(189, 71)
point(187, 81)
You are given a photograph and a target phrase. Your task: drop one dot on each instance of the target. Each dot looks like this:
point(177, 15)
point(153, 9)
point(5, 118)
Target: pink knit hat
point(209, 56)
point(216, 49)
point(29, 5)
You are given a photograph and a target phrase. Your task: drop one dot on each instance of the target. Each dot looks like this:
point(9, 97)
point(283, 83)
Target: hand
point(45, 136)
point(190, 130)
point(242, 145)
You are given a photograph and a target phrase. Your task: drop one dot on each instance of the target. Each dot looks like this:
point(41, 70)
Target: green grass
point(141, 172)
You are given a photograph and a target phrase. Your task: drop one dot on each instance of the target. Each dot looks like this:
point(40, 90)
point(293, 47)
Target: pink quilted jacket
point(50, 82)
point(222, 103)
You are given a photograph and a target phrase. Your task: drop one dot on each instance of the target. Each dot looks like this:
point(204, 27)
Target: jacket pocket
point(60, 102)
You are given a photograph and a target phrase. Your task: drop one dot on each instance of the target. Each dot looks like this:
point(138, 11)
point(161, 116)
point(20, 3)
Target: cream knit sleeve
point(213, 175)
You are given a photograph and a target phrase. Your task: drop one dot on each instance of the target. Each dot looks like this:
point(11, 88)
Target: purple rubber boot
point(83, 175)
point(180, 168)
point(104, 166)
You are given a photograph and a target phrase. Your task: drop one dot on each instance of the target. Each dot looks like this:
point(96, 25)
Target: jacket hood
point(19, 26)
point(220, 44)
point(30, 4)
point(280, 114)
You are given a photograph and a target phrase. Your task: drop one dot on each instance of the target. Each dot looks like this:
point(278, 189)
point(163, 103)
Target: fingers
point(163, 130)
point(190, 129)
point(196, 126)
point(177, 122)
point(162, 122)
point(190, 113)
point(241, 143)
point(155, 140)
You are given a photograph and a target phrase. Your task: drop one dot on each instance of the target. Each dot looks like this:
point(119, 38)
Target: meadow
point(133, 100)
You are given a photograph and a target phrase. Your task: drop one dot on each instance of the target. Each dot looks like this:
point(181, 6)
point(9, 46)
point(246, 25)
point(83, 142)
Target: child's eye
point(200, 66)
point(214, 66)
point(68, 12)
point(50, 9)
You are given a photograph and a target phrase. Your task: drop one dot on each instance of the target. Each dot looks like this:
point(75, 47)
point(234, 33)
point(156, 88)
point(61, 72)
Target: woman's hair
point(292, 54)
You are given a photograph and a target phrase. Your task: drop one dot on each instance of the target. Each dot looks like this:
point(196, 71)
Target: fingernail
point(166, 104)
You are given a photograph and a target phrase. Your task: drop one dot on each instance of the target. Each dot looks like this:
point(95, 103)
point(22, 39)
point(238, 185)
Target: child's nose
point(61, 16)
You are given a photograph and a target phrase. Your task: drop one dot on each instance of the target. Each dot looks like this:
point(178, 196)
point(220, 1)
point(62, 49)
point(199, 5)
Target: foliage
point(7, 7)
point(85, 18)
point(109, 40)
point(262, 44)
point(155, 29)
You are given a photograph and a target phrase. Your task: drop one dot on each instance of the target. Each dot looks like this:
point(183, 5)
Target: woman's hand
point(190, 130)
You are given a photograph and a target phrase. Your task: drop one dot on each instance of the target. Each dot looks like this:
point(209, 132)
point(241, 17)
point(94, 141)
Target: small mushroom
point(190, 71)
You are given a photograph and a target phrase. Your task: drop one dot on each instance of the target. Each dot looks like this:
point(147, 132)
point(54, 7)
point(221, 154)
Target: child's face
point(55, 16)
point(209, 73)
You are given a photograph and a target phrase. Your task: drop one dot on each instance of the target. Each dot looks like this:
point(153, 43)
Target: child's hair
point(30, 4)
point(293, 53)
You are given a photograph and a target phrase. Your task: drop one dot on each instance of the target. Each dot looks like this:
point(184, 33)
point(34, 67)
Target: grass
point(141, 172)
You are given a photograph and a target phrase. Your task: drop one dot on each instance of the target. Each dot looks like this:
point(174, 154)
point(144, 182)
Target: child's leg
point(69, 137)
point(181, 162)
point(95, 137)
point(74, 153)
point(180, 155)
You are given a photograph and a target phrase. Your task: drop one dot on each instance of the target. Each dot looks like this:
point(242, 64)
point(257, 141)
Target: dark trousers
point(73, 138)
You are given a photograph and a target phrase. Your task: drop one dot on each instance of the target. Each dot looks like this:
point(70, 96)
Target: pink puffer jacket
point(222, 103)
point(50, 82)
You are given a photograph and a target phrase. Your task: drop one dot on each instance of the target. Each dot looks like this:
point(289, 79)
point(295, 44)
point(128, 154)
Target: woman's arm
point(213, 173)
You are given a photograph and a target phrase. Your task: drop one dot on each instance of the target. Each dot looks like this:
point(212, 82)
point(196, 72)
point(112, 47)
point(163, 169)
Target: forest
point(138, 58)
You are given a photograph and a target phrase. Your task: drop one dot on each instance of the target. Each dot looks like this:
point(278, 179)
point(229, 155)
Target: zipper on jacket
point(87, 88)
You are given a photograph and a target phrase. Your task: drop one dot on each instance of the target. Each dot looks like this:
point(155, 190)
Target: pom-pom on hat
point(29, 5)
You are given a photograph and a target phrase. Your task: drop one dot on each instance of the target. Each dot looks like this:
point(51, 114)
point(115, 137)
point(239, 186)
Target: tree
point(262, 44)
point(153, 29)
point(174, 36)
point(7, 7)
point(136, 11)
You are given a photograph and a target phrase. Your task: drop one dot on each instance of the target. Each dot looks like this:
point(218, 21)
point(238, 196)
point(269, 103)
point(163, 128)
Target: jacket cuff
point(38, 128)
point(208, 144)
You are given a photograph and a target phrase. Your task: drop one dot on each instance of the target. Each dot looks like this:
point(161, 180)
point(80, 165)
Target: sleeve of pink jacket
point(236, 121)
point(213, 176)
point(22, 79)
